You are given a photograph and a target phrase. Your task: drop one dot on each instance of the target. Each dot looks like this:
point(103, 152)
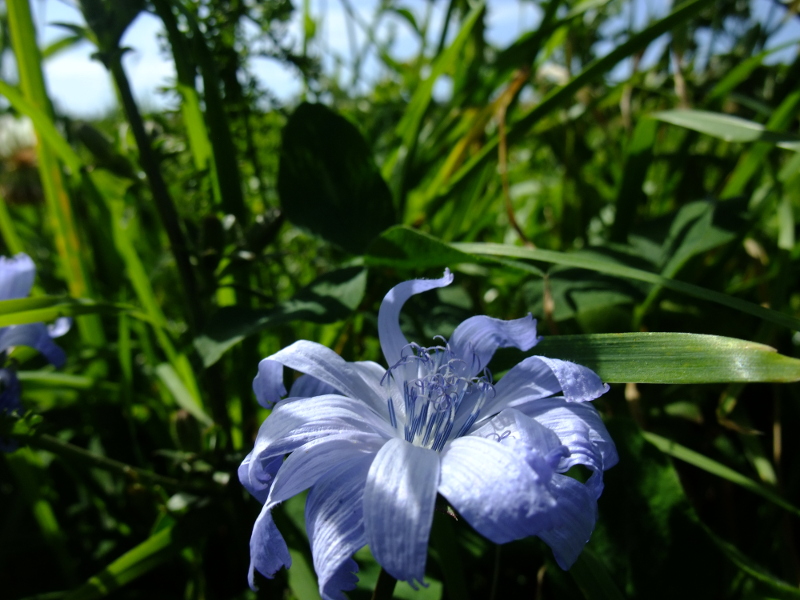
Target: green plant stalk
point(68, 246)
point(384, 588)
point(89, 459)
point(190, 107)
point(225, 159)
point(164, 204)
point(9, 231)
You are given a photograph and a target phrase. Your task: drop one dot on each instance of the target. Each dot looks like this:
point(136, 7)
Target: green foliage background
point(646, 220)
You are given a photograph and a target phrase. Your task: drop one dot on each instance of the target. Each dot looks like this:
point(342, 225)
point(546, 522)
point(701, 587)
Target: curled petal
point(494, 489)
point(307, 386)
point(531, 379)
point(580, 428)
point(16, 276)
point(398, 507)
point(579, 383)
point(392, 339)
point(36, 336)
point(268, 384)
point(335, 525)
point(540, 377)
point(268, 550)
point(321, 363)
point(478, 338)
point(61, 326)
point(257, 474)
point(577, 514)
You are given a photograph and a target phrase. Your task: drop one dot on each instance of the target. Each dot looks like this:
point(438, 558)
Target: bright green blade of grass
point(408, 129)
point(728, 127)
point(679, 358)
point(563, 95)
point(141, 559)
point(8, 230)
point(46, 309)
point(67, 241)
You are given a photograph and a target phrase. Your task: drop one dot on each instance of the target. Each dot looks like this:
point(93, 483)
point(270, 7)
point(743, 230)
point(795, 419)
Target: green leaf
point(709, 465)
point(782, 589)
point(328, 182)
point(49, 308)
point(183, 396)
point(332, 297)
point(141, 559)
point(402, 247)
point(647, 527)
point(593, 264)
point(61, 44)
point(728, 127)
point(593, 578)
point(672, 358)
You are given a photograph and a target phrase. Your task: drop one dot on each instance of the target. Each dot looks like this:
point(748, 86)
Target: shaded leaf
point(328, 182)
point(709, 465)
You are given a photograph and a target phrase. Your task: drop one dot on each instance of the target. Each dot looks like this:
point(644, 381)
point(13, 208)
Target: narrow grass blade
point(563, 95)
point(678, 358)
point(709, 465)
point(46, 309)
point(728, 127)
point(582, 262)
point(67, 240)
point(8, 230)
point(782, 589)
point(593, 578)
point(183, 396)
point(154, 551)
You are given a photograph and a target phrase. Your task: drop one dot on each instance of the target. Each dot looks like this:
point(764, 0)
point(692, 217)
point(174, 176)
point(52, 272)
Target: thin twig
point(70, 451)
point(503, 103)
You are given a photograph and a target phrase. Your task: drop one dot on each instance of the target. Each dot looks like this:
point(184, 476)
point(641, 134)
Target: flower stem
point(385, 586)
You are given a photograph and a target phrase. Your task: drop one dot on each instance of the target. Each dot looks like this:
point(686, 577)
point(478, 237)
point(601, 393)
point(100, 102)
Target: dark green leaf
point(401, 247)
point(328, 182)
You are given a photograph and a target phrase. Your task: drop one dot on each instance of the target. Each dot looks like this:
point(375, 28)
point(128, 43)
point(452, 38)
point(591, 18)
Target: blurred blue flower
point(376, 446)
point(16, 281)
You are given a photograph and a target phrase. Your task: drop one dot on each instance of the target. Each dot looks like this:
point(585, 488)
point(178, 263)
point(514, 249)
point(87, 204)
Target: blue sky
point(81, 87)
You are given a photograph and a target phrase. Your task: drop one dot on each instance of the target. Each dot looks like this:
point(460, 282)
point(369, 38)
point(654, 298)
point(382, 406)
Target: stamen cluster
point(437, 395)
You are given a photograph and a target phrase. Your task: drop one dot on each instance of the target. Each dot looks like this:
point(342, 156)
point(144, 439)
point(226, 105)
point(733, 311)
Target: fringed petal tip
point(268, 550)
point(16, 276)
point(268, 384)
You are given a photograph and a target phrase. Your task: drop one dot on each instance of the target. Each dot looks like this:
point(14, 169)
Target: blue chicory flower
point(376, 446)
point(16, 281)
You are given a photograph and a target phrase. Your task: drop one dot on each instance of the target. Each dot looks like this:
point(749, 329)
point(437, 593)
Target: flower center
point(438, 395)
